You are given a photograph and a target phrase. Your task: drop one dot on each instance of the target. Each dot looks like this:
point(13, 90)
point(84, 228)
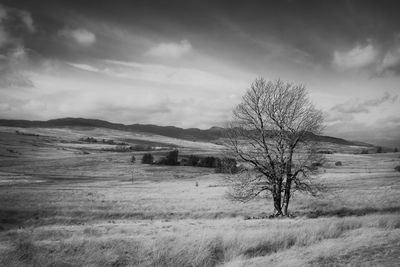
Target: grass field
point(62, 207)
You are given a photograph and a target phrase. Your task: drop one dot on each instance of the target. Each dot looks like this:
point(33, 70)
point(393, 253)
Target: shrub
point(88, 140)
point(122, 148)
point(364, 151)
point(110, 142)
point(227, 165)
point(315, 165)
point(141, 148)
point(147, 158)
point(397, 168)
point(379, 149)
point(172, 158)
point(396, 149)
point(133, 159)
point(338, 163)
point(209, 162)
point(193, 160)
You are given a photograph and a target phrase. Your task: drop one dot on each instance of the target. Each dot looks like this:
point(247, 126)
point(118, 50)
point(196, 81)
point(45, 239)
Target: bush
point(315, 165)
point(397, 168)
point(338, 163)
point(133, 159)
point(141, 148)
point(364, 151)
point(147, 159)
point(193, 160)
point(379, 149)
point(122, 148)
point(88, 140)
point(396, 149)
point(227, 165)
point(209, 162)
point(172, 158)
point(110, 142)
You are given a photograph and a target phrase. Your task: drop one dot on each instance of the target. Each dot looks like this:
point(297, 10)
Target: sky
point(188, 63)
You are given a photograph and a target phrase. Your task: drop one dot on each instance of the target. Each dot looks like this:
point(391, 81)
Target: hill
point(170, 131)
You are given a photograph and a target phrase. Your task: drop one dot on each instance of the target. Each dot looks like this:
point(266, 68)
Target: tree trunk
point(288, 185)
point(277, 205)
point(278, 198)
point(286, 198)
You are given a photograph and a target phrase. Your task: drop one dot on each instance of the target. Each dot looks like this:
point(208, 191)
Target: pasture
point(68, 203)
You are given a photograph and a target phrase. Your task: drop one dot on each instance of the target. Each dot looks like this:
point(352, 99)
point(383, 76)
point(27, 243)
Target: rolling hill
point(170, 131)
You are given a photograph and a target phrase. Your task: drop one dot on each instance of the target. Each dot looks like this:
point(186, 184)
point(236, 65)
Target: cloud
point(11, 21)
point(80, 36)
point(391, 60)
point(387, 134)
point(17, 16)
point(5, 38)
point(12, 66)
point(3, 13)
point(355, 106)
point(14, 60)
point(390, 120)
point(26, 18)
point(170, 50)
point(168, 75)
point(84, 67)
point(358, 57)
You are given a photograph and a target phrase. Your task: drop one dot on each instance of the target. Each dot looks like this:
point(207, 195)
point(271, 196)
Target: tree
point(209, 162)
point(147, 158)
point(172, 158)
point(193, 160)
point(133, 159)
point(272, 132)
point(396, 149)
point(379, 149)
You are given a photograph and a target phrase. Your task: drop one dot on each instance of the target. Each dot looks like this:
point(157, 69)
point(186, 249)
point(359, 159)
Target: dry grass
point(197, 243)
point(84, 210)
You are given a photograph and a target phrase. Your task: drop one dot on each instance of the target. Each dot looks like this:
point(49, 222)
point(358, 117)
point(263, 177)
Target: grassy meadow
point(68, 203)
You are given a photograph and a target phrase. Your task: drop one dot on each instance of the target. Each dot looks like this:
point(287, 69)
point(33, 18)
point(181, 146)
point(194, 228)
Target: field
point(70, 203)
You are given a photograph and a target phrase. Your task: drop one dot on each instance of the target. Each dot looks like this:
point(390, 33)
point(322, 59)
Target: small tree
point(272, 132)
point(379, 149)
point(133, 159)
point(172, 158)
point(396, 150)
point(147, 158)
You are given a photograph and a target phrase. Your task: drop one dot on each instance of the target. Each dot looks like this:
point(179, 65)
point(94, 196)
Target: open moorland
point(65, 201)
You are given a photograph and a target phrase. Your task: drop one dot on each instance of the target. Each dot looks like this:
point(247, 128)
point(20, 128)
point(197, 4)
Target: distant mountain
point(171, 131)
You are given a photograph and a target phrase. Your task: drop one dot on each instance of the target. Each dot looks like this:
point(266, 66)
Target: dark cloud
point(312, 28)
point(14, 24)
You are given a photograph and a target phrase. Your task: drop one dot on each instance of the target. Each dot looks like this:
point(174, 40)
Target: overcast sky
point(187, 63)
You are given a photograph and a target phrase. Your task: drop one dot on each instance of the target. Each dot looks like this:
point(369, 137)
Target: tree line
point(221, 165)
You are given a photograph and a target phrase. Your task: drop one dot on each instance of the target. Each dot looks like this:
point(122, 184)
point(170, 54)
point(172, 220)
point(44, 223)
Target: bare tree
point(272, 132)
